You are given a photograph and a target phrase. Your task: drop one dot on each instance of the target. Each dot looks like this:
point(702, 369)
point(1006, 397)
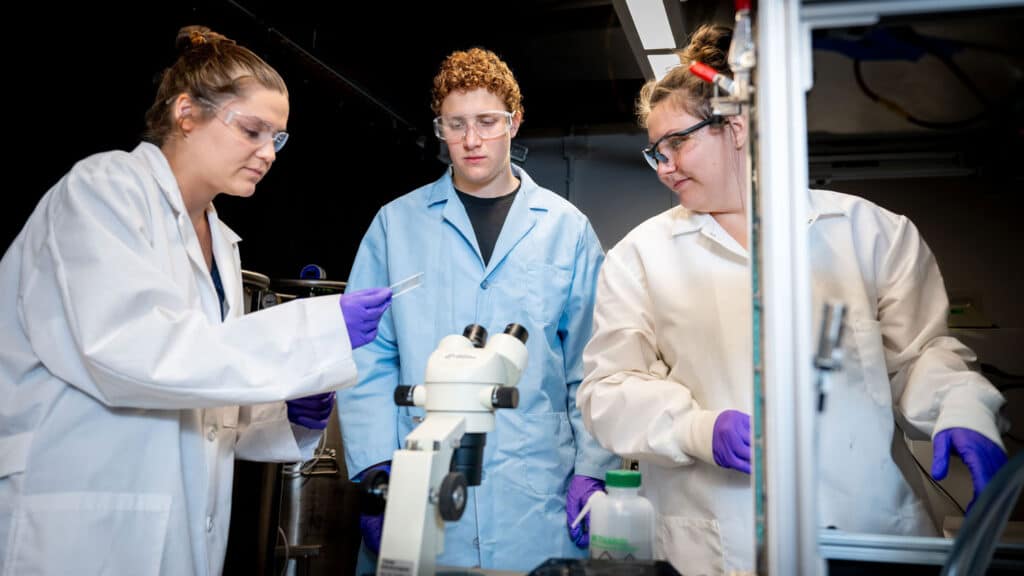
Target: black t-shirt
point(487, 215)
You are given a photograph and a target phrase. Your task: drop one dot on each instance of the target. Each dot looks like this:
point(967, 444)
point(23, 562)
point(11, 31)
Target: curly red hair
point(472, 69)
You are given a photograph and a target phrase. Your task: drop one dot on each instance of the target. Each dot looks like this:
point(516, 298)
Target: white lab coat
point(119, 383)
point(672, 350)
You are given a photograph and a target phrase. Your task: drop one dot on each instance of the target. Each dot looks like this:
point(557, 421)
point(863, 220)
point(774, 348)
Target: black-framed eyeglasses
point(658, 152)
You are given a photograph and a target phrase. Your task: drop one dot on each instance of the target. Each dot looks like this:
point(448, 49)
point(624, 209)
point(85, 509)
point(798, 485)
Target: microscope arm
point(414, 494)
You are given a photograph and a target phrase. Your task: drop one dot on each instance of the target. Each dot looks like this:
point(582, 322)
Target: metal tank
point(300, 519)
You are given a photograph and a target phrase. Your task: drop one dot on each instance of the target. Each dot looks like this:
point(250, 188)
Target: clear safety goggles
point(253, 129)
point(487, 125)
point(669, 144)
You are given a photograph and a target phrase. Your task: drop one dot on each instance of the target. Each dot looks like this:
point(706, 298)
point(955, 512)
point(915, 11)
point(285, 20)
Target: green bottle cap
point(622, 478)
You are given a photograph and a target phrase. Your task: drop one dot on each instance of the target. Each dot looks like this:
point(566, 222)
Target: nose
point(266, 152)
point(668, 166)
point(472, 139)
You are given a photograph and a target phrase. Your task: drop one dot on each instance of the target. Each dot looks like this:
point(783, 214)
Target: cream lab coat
point(672, 350)
point(120, 384)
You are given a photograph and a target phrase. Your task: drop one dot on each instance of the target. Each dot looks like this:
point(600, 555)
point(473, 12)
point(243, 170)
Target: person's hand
point(372, 526)
point(362, 310)
point(730, 442)
point(982, 456)
point(580, 489)
point(311, 411)
point(372, 529)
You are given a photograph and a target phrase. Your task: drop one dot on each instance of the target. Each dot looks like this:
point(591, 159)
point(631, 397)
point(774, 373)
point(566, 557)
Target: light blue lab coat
point(542, 274)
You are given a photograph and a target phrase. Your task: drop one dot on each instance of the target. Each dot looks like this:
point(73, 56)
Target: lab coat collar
point(443, 189)
point(821, 205)
point(521, 217)
point(687, 222)
point(230, 237)
point(518, 222)
point(153, 157)
point(223, 238)
point(161, 170)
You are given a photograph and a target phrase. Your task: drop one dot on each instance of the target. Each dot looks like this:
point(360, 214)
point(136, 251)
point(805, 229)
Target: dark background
point(359, 76)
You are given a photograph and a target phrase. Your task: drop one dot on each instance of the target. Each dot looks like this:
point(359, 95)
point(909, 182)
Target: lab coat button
point(212, 434)
point(476, 542)
point(209, 523)
point(483, 285)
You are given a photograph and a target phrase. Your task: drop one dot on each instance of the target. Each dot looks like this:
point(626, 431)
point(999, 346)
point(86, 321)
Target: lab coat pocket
point(867, 362)
point(546, 451)
point(88, 533)
point(14, 451)
point(547, 293)
point(692, 545)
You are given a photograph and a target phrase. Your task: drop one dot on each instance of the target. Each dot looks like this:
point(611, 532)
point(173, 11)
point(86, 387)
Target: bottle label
point(607, 548)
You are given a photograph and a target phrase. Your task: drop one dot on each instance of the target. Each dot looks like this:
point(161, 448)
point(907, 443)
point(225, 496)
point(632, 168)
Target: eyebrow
point(714, 120)
point(481, 113)
point(265, 123)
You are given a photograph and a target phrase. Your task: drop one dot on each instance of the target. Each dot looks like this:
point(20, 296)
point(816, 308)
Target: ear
point(184, 111)
point(738, 127)
point(517, 119)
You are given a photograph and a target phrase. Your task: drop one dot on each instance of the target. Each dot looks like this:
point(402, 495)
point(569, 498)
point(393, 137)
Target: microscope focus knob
point(452, 497)
point(404, 395)
point(374, 487)
point(505, 397)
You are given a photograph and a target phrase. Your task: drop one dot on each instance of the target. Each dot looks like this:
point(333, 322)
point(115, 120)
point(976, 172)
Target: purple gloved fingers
point(311, 423)
point(940, 455)
point(311, 411)
point(315, 402)
point(362, 310)
point(581, 488)
point(982, 456)
point(372, 526)
point(730, 444)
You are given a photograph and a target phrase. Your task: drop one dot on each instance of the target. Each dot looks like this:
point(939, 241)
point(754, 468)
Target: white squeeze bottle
point(621, 521)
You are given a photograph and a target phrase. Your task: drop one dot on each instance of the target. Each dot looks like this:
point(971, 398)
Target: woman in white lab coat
point(669, 374)
point(123, 350)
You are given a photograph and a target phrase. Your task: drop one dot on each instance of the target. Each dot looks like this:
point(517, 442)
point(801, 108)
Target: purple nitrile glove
point(580, 489)
point(372, 529)
point(372, 526)
point(730, 442)
point(311, 411)
point(362, 310)
point(982, 456)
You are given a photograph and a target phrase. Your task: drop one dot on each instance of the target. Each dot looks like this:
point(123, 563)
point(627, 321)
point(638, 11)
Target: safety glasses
point(487, 125)
point(254, 129)
point(658, 153)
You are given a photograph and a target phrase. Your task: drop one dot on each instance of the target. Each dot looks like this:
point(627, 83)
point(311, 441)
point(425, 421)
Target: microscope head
point(510, 345)
point(473, 359)
point(470, 377)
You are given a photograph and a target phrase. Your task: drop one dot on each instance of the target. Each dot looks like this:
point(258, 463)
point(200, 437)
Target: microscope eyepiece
point(476, 334)
point(517, 331)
